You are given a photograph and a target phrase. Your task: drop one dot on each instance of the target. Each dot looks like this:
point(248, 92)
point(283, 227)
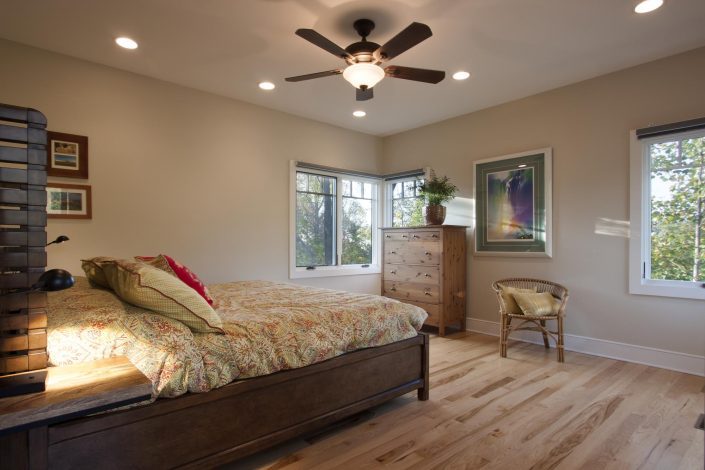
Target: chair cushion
point(538, 305)
point(508, 296)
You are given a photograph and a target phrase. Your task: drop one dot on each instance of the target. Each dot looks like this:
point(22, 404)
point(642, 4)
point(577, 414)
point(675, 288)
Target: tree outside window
point(677, 208)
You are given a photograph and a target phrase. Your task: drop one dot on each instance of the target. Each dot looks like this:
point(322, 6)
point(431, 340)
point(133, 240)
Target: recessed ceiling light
point(645, 6)
point(359, 113)
point(267, 85)
point(462, 75)
point(126, 43)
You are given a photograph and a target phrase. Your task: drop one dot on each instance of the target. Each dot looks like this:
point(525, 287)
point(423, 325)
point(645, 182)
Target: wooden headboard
point(23, 180)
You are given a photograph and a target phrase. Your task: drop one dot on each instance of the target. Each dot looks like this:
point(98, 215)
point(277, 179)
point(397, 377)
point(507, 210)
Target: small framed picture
point(68, 201)
point(67, 155)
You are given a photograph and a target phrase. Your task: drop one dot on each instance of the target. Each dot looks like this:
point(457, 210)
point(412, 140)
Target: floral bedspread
point(269, 327)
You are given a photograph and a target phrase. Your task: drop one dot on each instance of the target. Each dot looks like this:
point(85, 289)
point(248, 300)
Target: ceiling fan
point(363, 57)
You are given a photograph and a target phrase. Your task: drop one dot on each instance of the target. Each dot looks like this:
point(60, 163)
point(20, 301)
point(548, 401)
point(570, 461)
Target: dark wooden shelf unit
point(23, 219)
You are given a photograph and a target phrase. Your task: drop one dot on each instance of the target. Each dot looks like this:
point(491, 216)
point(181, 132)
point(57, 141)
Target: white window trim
point(388, 200)
point(339, 270)
point(640, 232)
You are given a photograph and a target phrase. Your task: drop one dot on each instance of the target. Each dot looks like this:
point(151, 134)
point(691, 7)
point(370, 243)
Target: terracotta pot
point(435, 214)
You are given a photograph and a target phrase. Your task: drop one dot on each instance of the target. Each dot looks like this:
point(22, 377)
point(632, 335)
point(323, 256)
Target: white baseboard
point(680, 362)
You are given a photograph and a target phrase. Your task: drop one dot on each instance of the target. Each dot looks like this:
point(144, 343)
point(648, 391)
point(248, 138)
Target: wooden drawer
point(425, 236)
point(412, 253)
point(419, 274)
point(396, 236)
point(412, 291)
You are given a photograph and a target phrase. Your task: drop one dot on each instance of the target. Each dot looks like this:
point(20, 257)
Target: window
point(315, 220)
point(335, 219)
point(668, 215)
point(358, 215)
point(406, 202)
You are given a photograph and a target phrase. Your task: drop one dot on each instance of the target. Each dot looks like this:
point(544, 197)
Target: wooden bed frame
point(208, 429)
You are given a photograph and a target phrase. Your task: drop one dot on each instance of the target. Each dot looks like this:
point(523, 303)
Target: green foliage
point(357, 231)
point(408, 212)
point(438, 190)
point(678, 220)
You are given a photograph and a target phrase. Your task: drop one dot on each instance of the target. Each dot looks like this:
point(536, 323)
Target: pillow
point(537, 304)
point(153, 289)
point(508, 296)
point(94, 271)
point(173, 267)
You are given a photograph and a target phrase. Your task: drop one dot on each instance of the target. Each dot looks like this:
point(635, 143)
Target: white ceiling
point(512, 48)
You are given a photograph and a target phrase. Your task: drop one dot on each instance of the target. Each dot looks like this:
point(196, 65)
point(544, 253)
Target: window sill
point(668, 289)
point(332, 271)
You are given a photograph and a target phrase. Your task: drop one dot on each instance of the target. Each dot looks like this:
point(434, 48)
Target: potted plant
point(436, 191)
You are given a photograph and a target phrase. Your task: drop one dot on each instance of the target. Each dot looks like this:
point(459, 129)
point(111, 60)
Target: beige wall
point(177, 171)
point(587, 126)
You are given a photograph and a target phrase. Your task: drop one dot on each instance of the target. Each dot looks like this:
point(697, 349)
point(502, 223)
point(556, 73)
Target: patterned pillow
point(173, 267)
point(539, 305)
point(94, 271)
point(153, 289)
point(508, 297)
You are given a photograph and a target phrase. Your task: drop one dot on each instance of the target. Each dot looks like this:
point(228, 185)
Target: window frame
point(338, 269)
point(640, 222)
point(389, 196)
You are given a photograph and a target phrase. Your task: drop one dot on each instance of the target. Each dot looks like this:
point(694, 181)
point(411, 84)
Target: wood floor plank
point(523, 411)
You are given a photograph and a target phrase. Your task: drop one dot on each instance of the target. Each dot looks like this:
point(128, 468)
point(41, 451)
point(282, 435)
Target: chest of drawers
point(426, 266)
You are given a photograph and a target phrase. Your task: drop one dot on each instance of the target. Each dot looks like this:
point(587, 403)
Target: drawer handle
point(393, 271)
point(393, 289)
point(434, 235)
point(387, 236)
point(416, 236)
point(427, 293)
point(405, 236)
point(427, 253)
point(427, 275)
point(393, 252)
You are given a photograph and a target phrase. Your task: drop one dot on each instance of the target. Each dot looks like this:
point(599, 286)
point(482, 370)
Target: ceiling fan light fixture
point(646, 6)
point(266, 85)
point(359, 113)
point(461, 75)
point(363, 75)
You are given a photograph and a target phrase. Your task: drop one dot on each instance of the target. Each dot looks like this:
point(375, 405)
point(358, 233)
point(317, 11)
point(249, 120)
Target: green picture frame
point(513, 195)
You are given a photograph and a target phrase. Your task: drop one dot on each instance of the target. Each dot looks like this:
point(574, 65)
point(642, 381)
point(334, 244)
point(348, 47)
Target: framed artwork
point(67, 155)
point(68, 201)
point(513, 204)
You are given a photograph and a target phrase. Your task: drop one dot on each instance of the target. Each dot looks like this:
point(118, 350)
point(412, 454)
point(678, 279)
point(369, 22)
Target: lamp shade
point(363, 75)
point(53, 280)
point(59, 239)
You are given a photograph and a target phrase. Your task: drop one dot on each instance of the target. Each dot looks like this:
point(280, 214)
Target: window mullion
point(647, 223)
point(339, 222)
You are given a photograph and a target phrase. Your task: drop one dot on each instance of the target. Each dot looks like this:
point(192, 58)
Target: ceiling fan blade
point(363, 95)
point(417, 75)
point(300, 78)
point(324, 43)
point(405, 40)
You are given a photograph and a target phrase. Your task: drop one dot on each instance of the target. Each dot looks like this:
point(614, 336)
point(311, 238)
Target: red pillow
point(182, 272)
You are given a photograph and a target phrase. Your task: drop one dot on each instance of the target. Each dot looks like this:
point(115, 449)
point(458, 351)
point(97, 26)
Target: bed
point(292, 360)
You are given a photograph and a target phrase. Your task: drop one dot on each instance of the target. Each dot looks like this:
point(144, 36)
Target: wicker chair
point(539, 322)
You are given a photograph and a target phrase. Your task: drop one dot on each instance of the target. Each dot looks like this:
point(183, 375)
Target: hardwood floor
point(525, 411)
